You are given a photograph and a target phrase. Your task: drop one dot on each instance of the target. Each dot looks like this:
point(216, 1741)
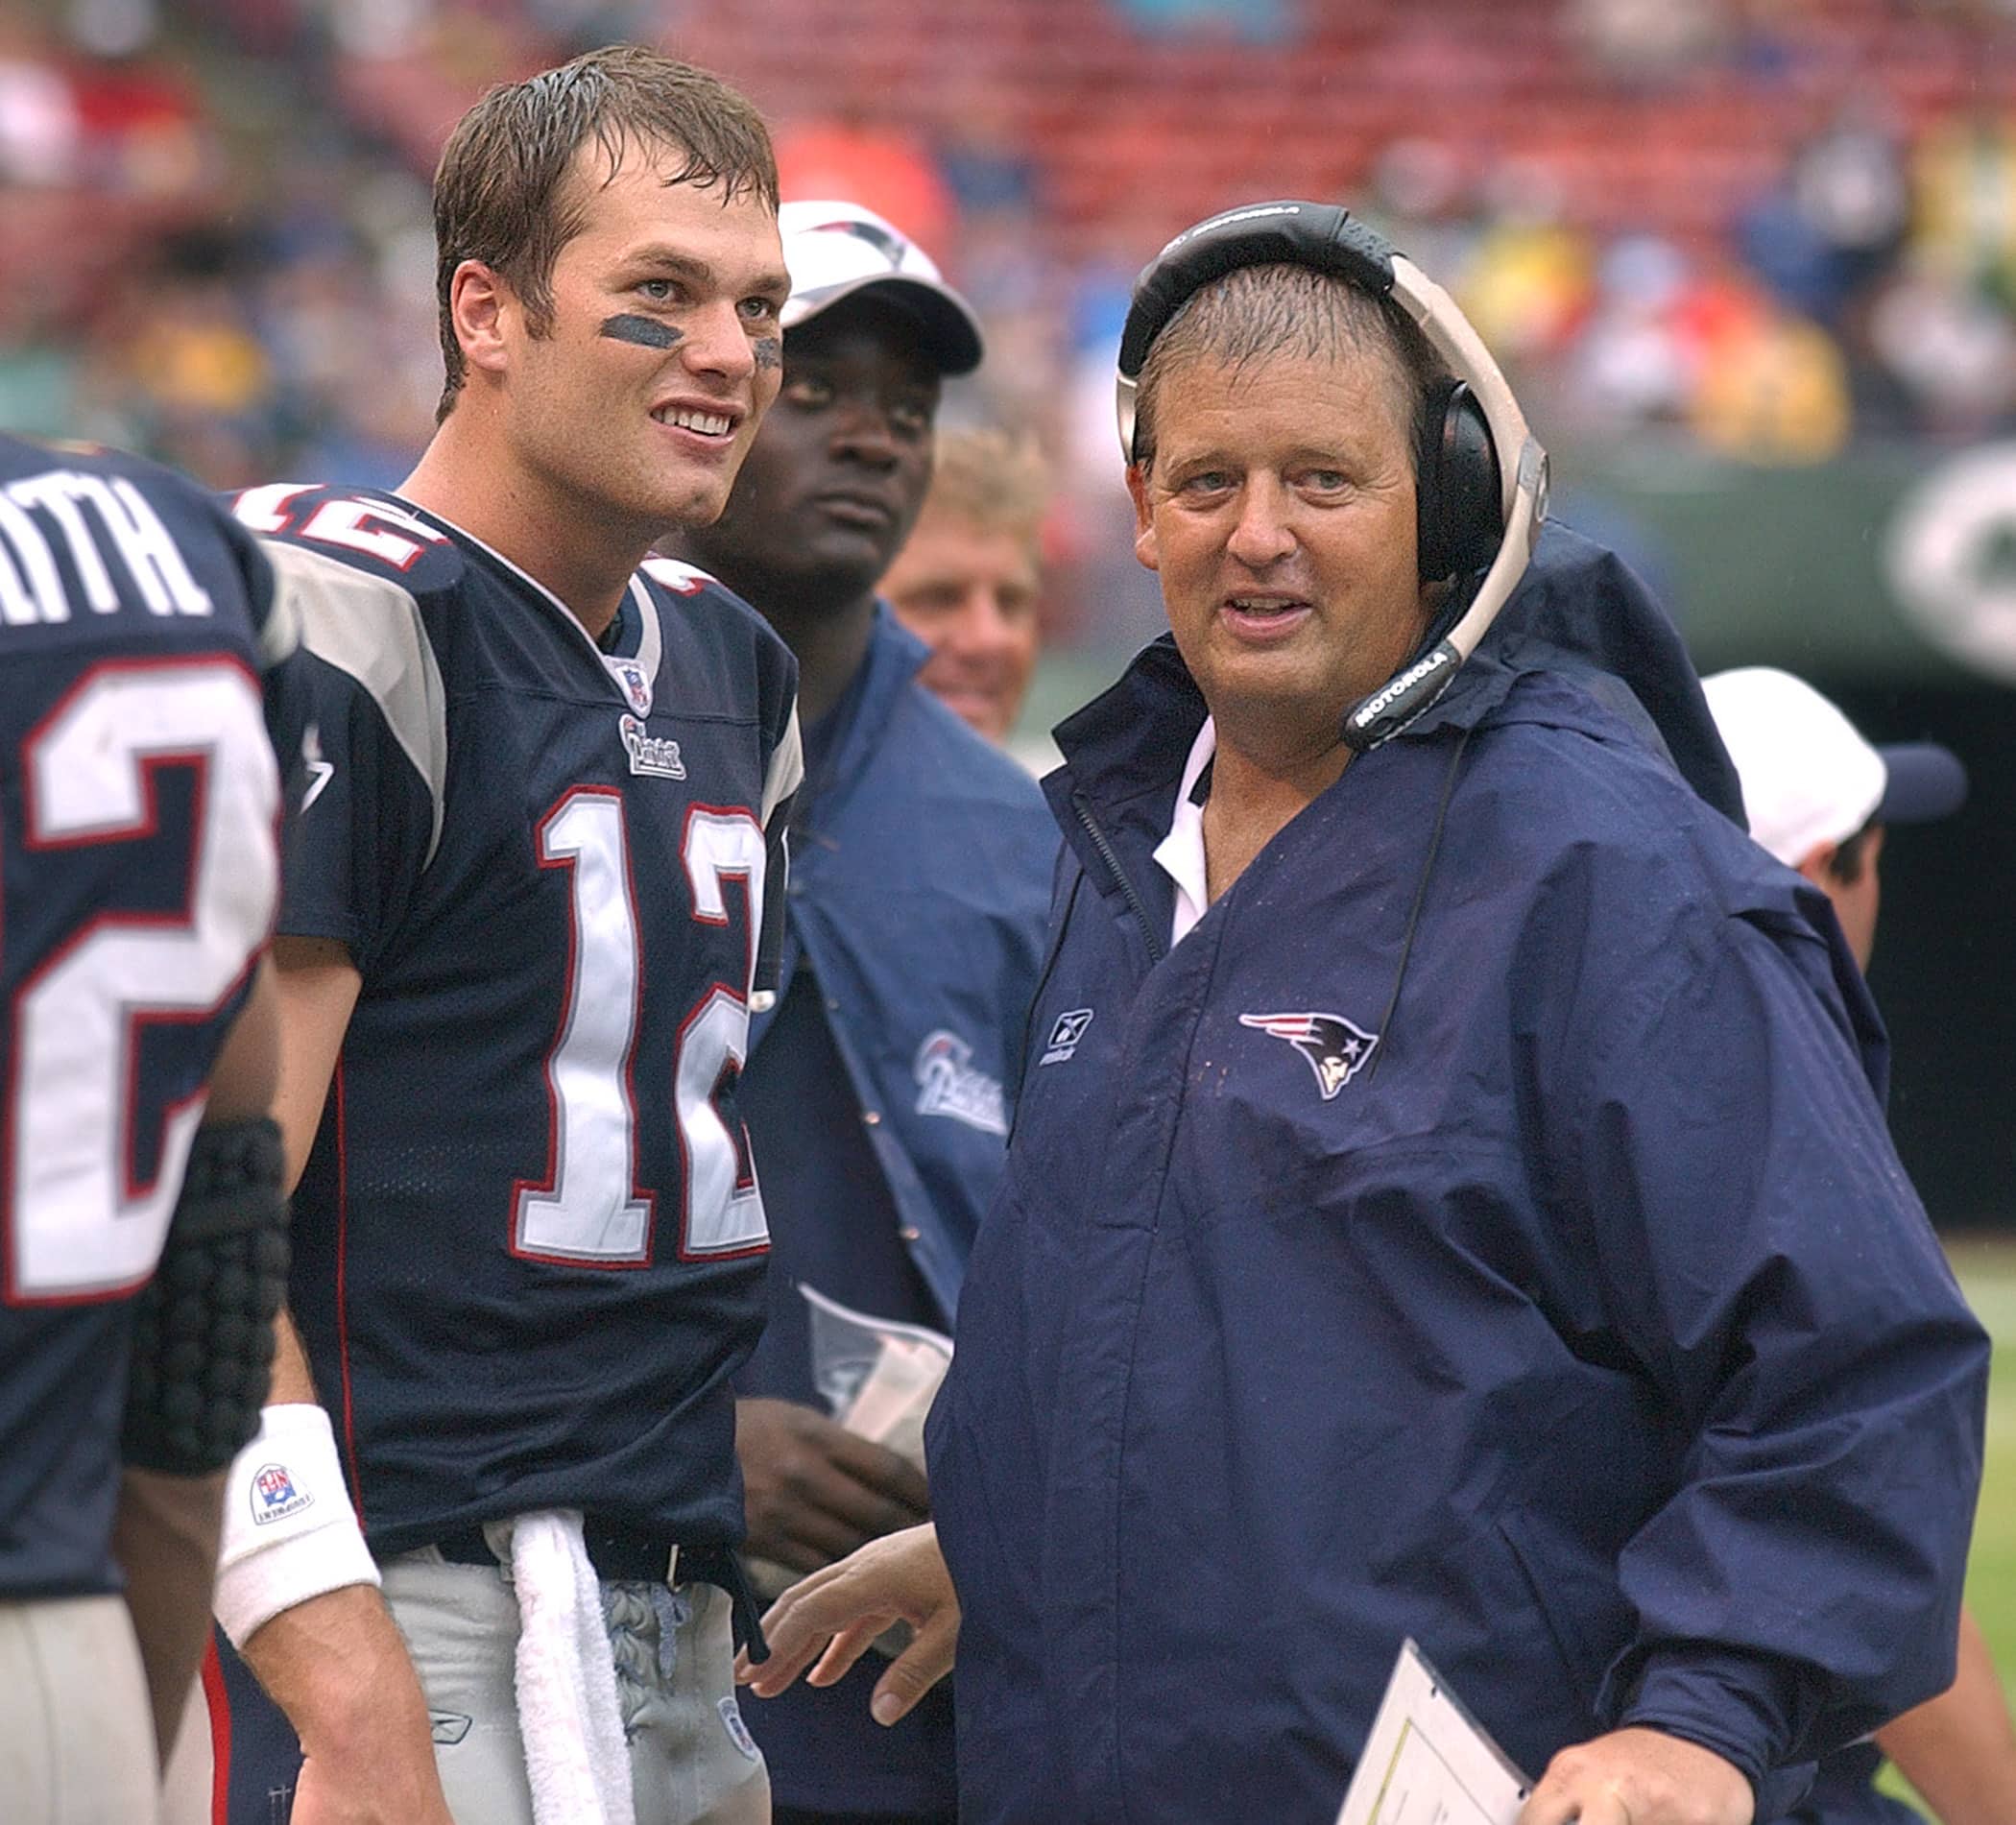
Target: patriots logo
point(1335, 1048)
point(892, 246)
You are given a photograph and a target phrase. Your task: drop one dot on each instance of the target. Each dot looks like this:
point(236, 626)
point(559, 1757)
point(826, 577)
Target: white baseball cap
point(834, 250)
point(1809, 778)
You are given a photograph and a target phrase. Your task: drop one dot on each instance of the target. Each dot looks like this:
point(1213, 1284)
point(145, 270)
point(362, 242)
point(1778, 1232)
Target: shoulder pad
point(694, 586)
point(369, 629)
point(702, 593)
point(365, 531)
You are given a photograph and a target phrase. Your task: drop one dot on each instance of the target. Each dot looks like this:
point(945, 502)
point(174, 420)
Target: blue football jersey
point(529, 1241)
point(138, 808)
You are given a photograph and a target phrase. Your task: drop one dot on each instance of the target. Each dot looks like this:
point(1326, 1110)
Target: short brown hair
point(1255, 312)
point(993, 479)
point(500, 193)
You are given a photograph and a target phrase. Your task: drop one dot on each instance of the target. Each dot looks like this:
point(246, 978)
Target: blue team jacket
point(919, 875)
point(1482, 1228)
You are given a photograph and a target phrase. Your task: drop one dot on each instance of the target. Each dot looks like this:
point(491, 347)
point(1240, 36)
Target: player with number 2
point(144, 656)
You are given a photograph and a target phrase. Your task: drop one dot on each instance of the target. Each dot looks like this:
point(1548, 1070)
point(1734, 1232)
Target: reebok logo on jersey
point(1334, 1047)
point(1065, 1035)
point(275, 1496)
point(948, 1085)
point(319, 771)
point(656, 754)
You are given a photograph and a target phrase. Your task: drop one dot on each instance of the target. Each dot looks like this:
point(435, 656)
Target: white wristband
point(289, 1533)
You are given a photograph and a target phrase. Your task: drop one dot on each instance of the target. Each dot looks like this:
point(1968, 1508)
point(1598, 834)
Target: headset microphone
point(1475, 513)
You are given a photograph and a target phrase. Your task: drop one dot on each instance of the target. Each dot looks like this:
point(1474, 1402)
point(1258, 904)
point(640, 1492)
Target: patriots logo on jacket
point(949, 1084)
point(1335, 1048)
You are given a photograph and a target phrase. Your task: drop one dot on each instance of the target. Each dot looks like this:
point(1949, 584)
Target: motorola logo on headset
point(1478, 513)
point(1397, 687)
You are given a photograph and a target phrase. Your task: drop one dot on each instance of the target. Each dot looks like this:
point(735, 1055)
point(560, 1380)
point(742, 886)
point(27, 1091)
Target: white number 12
point(591, 1211)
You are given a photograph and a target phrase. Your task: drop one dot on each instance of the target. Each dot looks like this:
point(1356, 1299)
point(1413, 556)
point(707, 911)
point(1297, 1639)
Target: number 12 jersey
point(529, 1240)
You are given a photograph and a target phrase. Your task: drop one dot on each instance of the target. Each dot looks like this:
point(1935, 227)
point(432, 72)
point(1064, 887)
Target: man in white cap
point(877, 1094)
point(1819, 797)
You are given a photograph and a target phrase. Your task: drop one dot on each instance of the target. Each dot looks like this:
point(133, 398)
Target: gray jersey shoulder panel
point(281, 634)
point(371, 630)
point(787, 769)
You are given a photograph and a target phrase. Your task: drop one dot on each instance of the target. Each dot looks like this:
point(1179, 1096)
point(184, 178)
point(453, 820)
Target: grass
point(1987, 1271)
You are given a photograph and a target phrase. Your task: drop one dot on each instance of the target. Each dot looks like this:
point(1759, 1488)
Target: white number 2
point(724, 1206)
point(81, 1224)
point(590, 1210)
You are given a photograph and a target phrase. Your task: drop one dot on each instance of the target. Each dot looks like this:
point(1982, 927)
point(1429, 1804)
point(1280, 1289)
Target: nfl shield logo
point(636, 686)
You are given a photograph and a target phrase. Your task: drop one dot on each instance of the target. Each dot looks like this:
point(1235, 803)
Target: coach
point(1449, 1194)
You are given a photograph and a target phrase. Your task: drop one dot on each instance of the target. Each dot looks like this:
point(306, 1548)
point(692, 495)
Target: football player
point(142, 1223)
point(520, 939)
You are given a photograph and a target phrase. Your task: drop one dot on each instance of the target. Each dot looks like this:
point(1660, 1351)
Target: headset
point(1474, 513)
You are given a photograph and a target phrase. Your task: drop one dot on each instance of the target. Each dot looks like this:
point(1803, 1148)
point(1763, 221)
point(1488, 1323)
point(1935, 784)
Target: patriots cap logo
point(1334, 1047)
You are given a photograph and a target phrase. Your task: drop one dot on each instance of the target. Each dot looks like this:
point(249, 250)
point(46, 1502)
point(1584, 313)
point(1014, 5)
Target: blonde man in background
point(967, 581)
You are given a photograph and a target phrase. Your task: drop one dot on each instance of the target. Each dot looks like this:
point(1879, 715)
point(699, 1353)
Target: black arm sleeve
point(203, 1327)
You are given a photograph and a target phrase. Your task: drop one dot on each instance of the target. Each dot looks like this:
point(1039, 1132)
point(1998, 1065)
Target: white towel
point(575, 1754)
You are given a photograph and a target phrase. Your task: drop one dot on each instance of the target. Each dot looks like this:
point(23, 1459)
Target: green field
point(1988, 1273)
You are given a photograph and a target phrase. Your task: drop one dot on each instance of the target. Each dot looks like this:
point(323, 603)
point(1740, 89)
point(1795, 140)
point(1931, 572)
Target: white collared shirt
point(1180, 852)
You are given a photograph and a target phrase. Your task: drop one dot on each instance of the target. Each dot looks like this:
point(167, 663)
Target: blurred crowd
point(1778, 228)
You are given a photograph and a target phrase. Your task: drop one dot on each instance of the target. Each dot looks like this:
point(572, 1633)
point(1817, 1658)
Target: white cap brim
point(950, 330)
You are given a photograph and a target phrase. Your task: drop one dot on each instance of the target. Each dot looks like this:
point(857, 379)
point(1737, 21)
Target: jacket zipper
point(1111, 858)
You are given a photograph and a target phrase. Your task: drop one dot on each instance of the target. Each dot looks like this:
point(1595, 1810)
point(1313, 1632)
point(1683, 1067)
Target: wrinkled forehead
point(1356, 394)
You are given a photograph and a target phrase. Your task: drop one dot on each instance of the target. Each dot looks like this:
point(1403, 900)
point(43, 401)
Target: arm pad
point(202, 1327)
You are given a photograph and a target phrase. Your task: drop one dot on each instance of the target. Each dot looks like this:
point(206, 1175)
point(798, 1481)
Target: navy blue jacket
point(1482, 1227)
point(920, 861)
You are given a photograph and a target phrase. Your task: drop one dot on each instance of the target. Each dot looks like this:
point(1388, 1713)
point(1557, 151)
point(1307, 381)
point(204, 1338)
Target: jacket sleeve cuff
point(1746, 1709)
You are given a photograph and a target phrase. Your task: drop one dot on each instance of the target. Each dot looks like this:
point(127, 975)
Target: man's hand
point(338, 1667)
point(836, 1614)
point(815, 1492)
point(1639, 1777)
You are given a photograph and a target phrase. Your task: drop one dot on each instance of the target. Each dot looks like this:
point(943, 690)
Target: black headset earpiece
point(1461, 515)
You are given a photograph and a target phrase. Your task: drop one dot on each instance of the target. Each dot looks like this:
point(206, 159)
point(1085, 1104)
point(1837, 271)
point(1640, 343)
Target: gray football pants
point(76, 1730)
point(691, 1760)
